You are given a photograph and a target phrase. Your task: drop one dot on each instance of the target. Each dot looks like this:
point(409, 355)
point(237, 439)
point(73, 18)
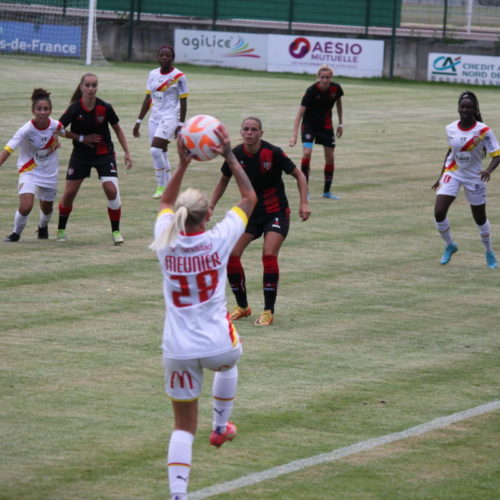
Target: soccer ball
point(198, 136)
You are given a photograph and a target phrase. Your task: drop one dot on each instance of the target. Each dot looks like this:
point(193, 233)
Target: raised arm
point(174, 185)
point(248, 197)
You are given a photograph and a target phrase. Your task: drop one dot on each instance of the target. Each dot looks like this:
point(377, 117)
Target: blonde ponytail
point(190, 209)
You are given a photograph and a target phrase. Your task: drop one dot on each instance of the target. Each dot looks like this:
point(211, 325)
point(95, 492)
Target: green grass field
point(371, 336)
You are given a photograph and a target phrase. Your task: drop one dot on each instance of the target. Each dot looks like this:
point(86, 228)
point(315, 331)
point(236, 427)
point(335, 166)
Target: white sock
point(485, 233)
point(223, 393)
point(179, 496)
point(179, 461)
point(444, 230)
point(19, 222)
point(44, 219)
point(159, 165)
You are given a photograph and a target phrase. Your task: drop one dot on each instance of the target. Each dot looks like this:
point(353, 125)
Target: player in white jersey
point(468, 139)
point(166, 96)
point(197, 332)
point(37, 164)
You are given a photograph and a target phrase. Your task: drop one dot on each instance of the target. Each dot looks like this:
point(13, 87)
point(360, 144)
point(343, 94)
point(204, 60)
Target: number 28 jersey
point(197, 323)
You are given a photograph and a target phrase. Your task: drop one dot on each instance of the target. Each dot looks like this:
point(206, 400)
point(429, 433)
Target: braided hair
point(467, 94)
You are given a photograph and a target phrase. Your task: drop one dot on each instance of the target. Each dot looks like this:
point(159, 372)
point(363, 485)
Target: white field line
point(257, 477)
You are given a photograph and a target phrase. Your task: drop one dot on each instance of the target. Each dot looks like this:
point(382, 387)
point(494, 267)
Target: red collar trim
point(87, 110)
point(37, 127)
point(191, 234)
point(467, 129)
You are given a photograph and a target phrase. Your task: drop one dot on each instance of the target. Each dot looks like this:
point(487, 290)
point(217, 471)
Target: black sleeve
point(284, 161)
point(67, 117)
point(226, 170)
point(112, 116)
point(307, 98)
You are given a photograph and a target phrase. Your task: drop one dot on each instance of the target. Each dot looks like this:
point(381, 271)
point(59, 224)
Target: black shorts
point(261, 224)
point(322, 136)
point(80, 168)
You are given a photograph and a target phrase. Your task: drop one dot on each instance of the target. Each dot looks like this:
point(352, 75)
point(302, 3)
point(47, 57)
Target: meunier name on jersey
point(193, 264)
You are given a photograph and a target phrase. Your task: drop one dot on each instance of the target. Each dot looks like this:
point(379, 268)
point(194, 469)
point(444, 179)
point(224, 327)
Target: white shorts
point(43, 193)
point(164, 128)
point(475, 192)
point(184, 377)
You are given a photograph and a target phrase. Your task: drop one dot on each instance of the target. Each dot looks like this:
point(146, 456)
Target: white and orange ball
point(199, 137)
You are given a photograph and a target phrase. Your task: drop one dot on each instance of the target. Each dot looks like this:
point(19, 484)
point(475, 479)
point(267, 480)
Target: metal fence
point(337, 12)
point(444, 17)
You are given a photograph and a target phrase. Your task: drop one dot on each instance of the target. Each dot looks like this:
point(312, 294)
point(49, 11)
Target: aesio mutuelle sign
point(296, 54)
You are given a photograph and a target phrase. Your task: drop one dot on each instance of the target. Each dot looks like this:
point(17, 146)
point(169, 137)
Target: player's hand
point(55, 145)
point(135, 131)
point(485, 175)
point(293, 141)
point(91, 139)
point(224, 148)
point(128, 161)
point(435, 186)
point(340, 131)
point(304, 211)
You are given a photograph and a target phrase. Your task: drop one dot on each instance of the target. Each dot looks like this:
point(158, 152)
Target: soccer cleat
point(491, 259)
point(330, 196)
point(61, 235)
point(158, 192)
point(117, 237)
point(265, 319)
point(239, 312)
point(448, 252)
point(217, 439)
point(43, 233)
point(12, 237)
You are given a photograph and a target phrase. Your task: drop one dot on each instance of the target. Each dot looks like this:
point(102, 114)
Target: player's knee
point(270, 263)
point(157, 154)
point(25, 210)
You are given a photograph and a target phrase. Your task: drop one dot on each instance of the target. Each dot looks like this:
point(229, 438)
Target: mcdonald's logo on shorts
point(181, 379)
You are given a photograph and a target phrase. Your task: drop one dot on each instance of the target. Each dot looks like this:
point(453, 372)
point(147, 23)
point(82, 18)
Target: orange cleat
point(217, 439)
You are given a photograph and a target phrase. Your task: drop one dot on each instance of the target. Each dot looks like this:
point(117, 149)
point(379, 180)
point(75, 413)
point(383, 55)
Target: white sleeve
point(183, 86)
point(491, 143)
point(17, 139)
point(162, 222)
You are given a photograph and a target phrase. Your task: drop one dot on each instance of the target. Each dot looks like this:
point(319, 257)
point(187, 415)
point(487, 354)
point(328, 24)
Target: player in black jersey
point(315, 113)
point(90, 118)
point(264, 165)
